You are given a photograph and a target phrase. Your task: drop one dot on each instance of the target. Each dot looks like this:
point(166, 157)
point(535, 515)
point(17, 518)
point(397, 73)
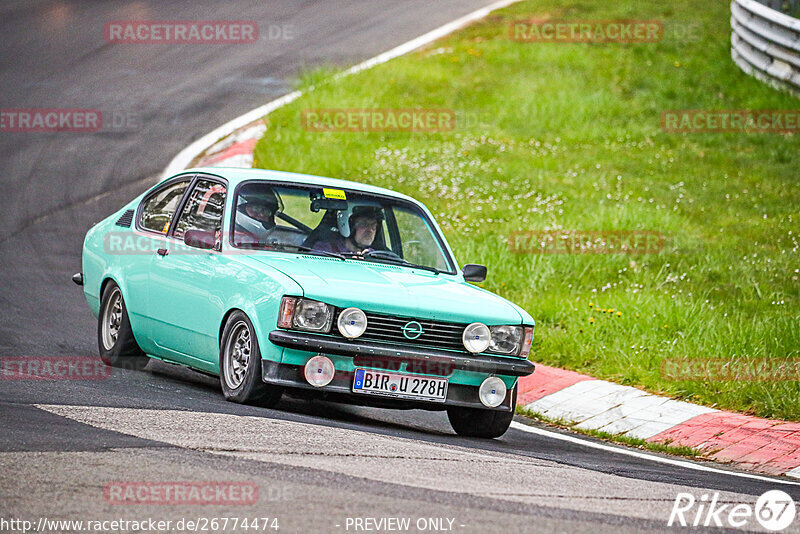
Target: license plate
point(400, 386)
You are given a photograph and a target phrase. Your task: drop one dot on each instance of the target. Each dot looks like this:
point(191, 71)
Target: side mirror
point(474, 272)
point(199, 239)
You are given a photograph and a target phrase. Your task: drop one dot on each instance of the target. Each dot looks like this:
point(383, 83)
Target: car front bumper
point(490, 365)
point(424, 361)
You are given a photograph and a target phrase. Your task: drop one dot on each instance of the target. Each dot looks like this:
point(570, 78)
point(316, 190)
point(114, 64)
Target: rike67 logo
point(774, 510)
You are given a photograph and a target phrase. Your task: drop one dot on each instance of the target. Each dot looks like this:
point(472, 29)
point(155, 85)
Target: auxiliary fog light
point(319, 371)
point(352, 323)
point(476, 337)
point(492, 392)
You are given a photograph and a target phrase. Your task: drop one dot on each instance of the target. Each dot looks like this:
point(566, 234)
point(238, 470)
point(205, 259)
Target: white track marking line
point(669, 461)
point(185, 156)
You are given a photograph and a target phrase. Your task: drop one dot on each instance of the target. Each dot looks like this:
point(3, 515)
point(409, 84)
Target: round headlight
point(352, 323)
point(319, 371)
point(476, 337)
point(506, 339)
point(312, 315)
point(492, 392)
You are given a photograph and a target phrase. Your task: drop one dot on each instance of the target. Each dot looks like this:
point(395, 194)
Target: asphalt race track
point(316, 464)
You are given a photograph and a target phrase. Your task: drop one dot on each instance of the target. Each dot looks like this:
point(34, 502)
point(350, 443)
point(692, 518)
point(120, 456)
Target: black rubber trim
point(479, 364)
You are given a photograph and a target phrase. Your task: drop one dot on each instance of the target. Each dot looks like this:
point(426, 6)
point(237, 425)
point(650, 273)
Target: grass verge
point(567, 137)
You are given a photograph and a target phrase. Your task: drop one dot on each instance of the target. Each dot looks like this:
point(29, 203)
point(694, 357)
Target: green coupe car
point(279, 282)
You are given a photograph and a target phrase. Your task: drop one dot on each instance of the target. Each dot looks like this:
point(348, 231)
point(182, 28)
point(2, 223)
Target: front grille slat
point(427, 332)
point(430, 338)
point(403, 320)
point(435, 328)
point(435, 334)
point(389, 337)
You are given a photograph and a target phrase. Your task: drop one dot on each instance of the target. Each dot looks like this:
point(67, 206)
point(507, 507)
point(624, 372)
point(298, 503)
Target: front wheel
point(478, 423)
point(240, 364)
point(118, 347)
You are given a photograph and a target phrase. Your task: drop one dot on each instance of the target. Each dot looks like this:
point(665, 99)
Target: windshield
point(344, 223)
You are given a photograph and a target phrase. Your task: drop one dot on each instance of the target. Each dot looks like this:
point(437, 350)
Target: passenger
point(363, 226)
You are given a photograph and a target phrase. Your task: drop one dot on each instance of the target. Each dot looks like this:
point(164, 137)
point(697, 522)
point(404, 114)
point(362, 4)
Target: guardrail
point(765, 41)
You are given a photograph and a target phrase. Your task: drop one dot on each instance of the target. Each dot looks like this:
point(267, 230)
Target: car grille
point(436, 334)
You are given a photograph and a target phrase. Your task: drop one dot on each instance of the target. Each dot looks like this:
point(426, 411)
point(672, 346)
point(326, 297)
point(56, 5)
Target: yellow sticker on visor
point(334, 193)
point(166, 227)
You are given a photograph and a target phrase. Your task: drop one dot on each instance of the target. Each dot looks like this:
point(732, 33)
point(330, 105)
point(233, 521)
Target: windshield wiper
point(307, 250)
point(391, 257)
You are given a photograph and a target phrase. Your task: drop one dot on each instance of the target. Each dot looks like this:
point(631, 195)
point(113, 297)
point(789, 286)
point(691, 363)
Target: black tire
point(478, 423)
point(115, 341)
point(242, 383)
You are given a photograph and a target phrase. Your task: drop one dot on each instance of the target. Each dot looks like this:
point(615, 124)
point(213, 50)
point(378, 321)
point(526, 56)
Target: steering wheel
point(387, 254)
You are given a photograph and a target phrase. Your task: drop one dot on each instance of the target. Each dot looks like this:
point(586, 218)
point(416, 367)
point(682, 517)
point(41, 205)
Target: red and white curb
point(752, 443)
point(235, 150)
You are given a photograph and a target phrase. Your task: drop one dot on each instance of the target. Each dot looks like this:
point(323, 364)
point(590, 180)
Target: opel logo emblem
point(412, 330)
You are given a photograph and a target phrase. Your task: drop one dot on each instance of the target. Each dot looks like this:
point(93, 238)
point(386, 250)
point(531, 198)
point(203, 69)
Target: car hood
point(392, 290)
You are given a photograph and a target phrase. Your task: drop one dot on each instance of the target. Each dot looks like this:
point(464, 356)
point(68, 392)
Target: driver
point(255, 217)
point(364, 222)
point(262, 211)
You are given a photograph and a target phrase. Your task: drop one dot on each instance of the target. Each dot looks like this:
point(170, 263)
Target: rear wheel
point(240, 364)
point(478, 423)
point(115, 340)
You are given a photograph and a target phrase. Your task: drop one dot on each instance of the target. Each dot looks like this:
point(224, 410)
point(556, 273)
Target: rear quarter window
point(159, 207)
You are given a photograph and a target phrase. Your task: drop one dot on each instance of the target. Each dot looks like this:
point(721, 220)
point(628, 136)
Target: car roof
point(235, 175)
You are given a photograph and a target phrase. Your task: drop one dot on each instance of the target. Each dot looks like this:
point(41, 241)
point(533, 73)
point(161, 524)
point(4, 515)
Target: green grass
point(567, 136)
point(664, 448)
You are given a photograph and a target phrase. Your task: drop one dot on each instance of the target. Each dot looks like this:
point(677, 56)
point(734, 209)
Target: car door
point(182, 277)
point(153, 219)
